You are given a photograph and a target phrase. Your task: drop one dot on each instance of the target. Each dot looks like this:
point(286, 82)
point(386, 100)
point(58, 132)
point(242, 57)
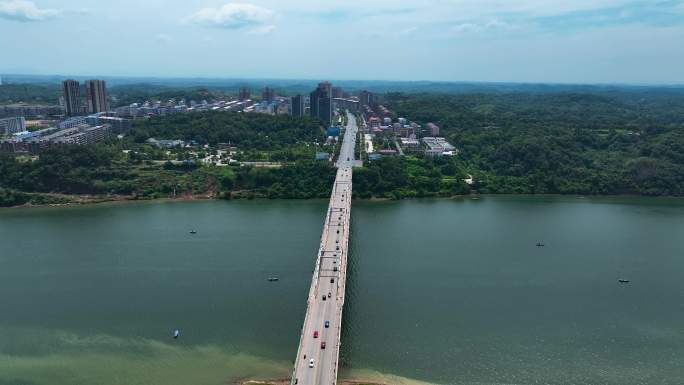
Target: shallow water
point(447, 291)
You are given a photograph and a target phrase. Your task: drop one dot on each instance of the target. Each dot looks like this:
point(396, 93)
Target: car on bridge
point(311, 363)
point(323, 345)
point(323, 297)
point(316, 334)
point(327, 324)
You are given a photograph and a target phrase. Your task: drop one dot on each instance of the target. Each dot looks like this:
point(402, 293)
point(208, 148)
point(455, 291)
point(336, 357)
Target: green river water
point(440, 291)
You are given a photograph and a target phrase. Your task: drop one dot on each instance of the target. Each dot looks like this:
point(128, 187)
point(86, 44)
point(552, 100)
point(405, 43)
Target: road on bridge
point(320, 338)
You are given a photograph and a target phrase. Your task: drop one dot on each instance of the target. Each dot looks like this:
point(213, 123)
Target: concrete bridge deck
point(326, 294)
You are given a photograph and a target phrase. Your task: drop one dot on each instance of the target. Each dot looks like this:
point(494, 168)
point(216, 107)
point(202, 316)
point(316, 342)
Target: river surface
point(440, 291)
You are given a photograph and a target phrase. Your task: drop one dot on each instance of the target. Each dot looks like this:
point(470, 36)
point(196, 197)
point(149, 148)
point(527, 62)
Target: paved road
point(346, 158)
point(326, 295)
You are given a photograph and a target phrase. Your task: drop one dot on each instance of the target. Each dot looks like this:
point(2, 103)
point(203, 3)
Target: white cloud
point(530, 8)
point(25, 11)
point(491, 25)
point(163, 38)
point(466, 28)
point(263, 30)
point(236, 16)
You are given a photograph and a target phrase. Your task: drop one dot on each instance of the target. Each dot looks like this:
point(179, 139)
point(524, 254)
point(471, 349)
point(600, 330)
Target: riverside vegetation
point(627, 141)
point(611, 142)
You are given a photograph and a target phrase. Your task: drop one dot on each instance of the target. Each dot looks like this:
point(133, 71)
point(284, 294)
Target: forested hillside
point(568, 143)
point(258, 131)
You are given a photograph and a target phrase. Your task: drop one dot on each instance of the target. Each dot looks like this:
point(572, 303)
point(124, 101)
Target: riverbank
point(65, 200)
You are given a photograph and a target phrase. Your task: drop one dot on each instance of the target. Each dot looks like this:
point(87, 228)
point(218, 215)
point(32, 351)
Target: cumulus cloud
point(257, 19)
point(25, 11)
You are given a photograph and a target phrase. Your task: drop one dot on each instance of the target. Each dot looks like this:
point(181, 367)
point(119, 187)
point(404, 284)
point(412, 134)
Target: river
point(440, 291)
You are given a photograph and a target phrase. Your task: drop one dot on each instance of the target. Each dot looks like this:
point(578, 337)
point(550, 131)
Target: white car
point(311, 363)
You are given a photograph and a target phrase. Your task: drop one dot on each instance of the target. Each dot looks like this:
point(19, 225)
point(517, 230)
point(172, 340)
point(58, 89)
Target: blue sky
point(571, 41)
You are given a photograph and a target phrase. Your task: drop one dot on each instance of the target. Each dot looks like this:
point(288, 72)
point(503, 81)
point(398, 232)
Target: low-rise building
point(165, 143)
point(410, 144)
point(433, 129)
point(350, 104)
point(437, 146)
point(79, 135)
point(29, 110)
point(9, 126)
point(387, 151)
point(86, 135)
point(73, 122)
point(118, 125)
point(40, 142)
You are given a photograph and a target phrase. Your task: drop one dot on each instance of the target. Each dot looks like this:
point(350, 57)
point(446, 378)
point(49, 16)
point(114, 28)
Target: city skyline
point(605, 41)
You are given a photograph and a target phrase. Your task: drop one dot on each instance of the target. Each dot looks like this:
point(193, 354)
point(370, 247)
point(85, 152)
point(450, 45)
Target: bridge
point(319, 343)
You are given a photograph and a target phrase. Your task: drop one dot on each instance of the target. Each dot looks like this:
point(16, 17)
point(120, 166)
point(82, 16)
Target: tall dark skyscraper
point(366, 98)
point(96, 96)
point(244, 94)
point(337, 92)
point(72, 97)
point(268, 94)
point(298, 105)
point(321, 102)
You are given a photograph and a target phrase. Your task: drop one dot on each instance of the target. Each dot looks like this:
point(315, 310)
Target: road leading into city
point(319, 344)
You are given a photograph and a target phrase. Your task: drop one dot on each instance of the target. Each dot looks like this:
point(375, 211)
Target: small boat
point(193, 231)
point(622, 280)
point(539, 244)
point(273, 279)
point(176, 334)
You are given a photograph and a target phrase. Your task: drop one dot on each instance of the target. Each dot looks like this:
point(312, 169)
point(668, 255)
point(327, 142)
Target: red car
point(316, 334)
point(323, 345)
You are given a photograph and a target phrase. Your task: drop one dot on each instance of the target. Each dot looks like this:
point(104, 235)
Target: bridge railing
point(342, 278)
point(314, 282)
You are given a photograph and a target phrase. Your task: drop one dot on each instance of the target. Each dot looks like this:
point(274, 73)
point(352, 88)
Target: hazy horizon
point(490, 41)
point(147, 78)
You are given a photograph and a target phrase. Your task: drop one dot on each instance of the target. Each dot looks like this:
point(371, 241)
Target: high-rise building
point(337, 92)
point(96, 96)
point(244, 94)
point(268, 94)
point(72, 97)
point(366, 98)
point(321, 103)
point(298, 105)
point(10, 126)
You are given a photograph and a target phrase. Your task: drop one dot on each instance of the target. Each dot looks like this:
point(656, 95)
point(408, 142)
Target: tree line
point(617, 142)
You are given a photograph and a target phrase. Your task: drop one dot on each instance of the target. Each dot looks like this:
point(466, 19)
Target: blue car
point(327, 324)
